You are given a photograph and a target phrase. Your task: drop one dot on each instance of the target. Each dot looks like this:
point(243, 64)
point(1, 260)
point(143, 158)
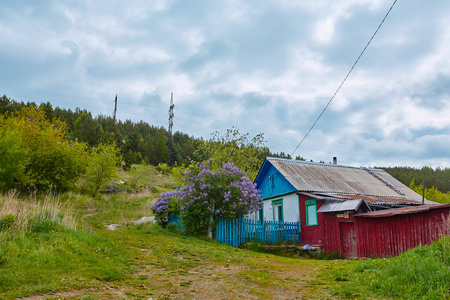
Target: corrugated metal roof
point(341, 206)
point(382, 200)
point(336, 179)
point(402, 211)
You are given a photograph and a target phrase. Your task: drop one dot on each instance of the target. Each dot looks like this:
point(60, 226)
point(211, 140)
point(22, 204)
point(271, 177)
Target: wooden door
point(348, 240)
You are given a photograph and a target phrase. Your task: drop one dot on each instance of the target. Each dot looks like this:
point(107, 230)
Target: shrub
point(166, 204)
point(207, 195)
point(163, 168)
point(102, 167)
point(173, 227)
point(34, 153)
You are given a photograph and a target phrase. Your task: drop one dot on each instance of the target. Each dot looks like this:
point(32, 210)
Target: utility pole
point(171, 114)
point(423, 192)
point(171, 149)
point(115, 109)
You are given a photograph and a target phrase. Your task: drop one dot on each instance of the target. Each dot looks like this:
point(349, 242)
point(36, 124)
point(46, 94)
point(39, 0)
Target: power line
point(343, 81)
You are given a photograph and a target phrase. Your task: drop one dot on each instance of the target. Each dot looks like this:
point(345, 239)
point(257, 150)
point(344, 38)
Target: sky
point(261, 66)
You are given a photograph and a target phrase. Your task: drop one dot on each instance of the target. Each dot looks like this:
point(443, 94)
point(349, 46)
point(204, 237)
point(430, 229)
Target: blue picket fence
point(175, 219)
point(235, 232)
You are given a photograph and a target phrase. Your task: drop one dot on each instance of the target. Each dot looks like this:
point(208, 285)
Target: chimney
point(335, 160)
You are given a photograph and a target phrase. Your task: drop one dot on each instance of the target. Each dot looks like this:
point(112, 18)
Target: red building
point(358, 212)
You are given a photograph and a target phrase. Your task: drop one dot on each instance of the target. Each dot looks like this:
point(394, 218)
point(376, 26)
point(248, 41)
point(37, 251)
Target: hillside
point(62, 250)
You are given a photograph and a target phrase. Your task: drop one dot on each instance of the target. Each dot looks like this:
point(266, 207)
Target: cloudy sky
point(262, 66)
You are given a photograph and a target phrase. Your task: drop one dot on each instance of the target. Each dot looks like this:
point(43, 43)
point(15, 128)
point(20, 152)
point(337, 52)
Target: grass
point(23, 211)
point(419, 273)
point(47, 253)
point(423, 272)
point(42, 251)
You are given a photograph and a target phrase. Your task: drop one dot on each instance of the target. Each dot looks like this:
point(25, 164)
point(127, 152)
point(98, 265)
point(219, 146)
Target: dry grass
point(23, 210)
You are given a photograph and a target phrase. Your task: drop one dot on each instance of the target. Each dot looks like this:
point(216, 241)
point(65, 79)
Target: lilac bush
point(166, 203)
point(207, 195)
point(226, 193)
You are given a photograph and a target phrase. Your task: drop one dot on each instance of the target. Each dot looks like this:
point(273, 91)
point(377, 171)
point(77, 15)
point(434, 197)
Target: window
point(259, 214)
point(311, 213)
point(277, 206)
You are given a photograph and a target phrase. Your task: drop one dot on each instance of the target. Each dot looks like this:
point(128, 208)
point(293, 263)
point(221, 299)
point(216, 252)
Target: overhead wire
point(346, 76)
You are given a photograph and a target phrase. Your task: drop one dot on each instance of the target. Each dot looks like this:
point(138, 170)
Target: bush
point(173, 227)
point(163, 168)
point(102, 167)
point(207, 195)
point(166, 204)
point(34, 153)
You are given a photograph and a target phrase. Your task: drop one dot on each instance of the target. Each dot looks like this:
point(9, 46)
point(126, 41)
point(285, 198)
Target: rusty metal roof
point(402, 211)
point(336, 179)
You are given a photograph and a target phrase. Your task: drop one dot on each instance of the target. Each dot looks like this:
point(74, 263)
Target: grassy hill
point(59, 248)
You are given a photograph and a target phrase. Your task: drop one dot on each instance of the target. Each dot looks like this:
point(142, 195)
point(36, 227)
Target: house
point(338, 206)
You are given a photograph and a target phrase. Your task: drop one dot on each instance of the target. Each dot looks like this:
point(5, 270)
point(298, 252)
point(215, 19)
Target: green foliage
point(7, 221)
point(208, 195)
point(102, 167)
point(178, 173)
point(14, 155)
point(439, 178)
point(233, 147)
point(422, 272)
point(142, 142)
point(431, 194)
point(173, 227)
point(87, 129)
point(164, 168)
point(35, 153)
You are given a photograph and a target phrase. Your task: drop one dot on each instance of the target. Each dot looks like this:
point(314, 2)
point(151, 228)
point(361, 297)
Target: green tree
point(87, 129)
point(54, 162)
point(432, 194)
point(102, 167)
point(13, 155)
point(42, 157)
point(233, 147)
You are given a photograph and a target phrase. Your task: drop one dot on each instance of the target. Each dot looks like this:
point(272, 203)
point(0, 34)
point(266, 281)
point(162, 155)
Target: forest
point(142, 143)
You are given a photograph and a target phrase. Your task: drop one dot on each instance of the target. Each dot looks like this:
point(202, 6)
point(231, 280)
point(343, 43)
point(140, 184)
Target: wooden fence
point(235, 232)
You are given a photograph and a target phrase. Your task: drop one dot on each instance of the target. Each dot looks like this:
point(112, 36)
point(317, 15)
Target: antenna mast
point(171, 114)
point(171, 149)
point(115, 108)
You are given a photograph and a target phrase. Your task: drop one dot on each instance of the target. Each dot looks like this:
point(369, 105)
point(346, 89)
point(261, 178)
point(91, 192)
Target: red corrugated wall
point(390, 236)
point(333, 237)
point(312, 235)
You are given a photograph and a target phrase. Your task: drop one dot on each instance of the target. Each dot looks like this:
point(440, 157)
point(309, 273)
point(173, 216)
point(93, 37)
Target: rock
point(144, 220)
point(113, 226)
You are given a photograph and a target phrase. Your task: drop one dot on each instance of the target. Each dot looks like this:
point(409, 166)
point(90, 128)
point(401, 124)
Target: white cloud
point(267, 67)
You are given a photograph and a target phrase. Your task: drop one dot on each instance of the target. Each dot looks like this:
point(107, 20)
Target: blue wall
point(271, 182)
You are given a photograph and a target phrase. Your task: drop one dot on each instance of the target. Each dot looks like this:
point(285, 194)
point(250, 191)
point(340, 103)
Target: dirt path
point(176, 267)
point(88, 227)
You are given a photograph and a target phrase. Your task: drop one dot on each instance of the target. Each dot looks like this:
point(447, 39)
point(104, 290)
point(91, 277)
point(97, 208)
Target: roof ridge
point(371, 172)
point(319, 163)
